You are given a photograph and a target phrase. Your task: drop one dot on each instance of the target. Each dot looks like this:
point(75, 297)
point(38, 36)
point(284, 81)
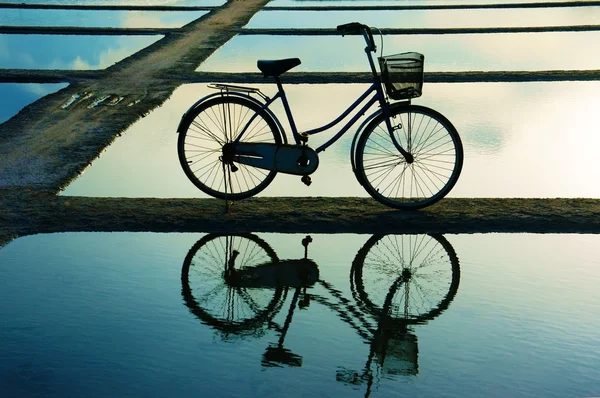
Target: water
point(313, 3)
point(419, 19)
point(130, 2)
point(103, 314)
point(104, 19)
point(520, 140)
point(111, 314)
point(76, 52)
point(443, 53)
point(13, 97)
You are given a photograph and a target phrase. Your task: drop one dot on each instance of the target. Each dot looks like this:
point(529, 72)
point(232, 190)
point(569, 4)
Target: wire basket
point(402, 75)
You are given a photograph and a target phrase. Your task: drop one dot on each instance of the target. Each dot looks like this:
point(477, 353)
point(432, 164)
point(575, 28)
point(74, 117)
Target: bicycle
point(237, 284)
point(231, 145)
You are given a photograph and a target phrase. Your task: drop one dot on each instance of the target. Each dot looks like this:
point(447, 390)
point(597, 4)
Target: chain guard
point(288, 159)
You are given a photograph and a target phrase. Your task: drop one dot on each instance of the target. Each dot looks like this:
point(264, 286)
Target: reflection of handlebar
point(356, 28)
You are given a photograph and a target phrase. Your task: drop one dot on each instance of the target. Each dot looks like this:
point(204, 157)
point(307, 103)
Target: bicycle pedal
point(306, 180)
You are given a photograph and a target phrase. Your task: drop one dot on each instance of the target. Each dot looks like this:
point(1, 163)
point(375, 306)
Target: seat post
point(286, 106)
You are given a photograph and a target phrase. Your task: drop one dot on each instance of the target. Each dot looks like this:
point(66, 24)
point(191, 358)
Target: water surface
point(520, 140)
point(462, 18)
point(13, 97)
point(313, 3)
point(110, 314)
point(130, 2)
point(443, 53)
point(105, 19)
point(68, 52)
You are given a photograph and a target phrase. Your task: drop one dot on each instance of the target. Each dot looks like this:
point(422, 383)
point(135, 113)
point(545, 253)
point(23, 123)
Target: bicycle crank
point(288, 159)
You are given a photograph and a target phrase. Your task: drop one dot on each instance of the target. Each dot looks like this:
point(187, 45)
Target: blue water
point(104, 314)
point(130, 2)
point(105, 19)
point(300, 3)
point(13, 97)
point(101, 314)
point(76, 52)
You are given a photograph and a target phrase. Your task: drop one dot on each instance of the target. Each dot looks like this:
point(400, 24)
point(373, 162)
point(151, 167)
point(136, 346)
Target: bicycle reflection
point(237, 284)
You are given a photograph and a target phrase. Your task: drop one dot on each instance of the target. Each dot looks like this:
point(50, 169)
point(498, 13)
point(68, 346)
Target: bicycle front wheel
point(423, 177)
point(410, 278)
point(204, 133)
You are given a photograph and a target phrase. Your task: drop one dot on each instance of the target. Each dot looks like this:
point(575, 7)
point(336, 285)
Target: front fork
point(405, 152)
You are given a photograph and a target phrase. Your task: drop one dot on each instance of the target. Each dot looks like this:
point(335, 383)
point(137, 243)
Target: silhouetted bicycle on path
point(231, 145)
point(237, 284)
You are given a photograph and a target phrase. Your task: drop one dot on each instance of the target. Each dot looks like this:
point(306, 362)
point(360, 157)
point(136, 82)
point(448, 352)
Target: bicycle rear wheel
point(207, 293)
point(393, 180)
point(204, 133)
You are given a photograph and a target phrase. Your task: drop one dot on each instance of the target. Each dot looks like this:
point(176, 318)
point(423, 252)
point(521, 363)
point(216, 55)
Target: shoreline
point(28, 212)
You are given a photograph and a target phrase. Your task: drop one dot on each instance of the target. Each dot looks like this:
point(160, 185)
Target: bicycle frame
point(378, 96)
point(298, 137)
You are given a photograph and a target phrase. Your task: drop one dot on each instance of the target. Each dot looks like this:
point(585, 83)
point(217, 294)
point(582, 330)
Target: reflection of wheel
point(201, 151)
point(434, 165)
point(414, 276)
point(215, 301)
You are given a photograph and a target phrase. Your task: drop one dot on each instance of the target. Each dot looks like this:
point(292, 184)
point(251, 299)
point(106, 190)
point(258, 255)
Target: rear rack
point(238, 89)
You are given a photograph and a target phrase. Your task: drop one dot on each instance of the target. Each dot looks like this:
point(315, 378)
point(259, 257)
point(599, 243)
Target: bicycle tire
point(388, 266)
point(436, 148)
point(207, 129)
point(204, 298)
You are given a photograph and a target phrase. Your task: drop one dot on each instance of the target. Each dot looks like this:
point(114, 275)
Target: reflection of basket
point(401, 356)
point(402, 75)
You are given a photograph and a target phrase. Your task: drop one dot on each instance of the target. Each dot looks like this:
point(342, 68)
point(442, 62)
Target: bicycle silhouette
point(237, 284)
point(231, 145)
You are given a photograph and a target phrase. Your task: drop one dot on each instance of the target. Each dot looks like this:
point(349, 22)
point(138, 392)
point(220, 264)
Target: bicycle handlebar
point(356, 28)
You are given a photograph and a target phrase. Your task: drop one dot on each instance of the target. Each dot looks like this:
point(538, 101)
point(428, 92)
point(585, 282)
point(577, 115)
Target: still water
point(105, 19)
point(443, 53)
point(520, 140)
point(460, 18)
point(130, 2)
point(13, 97)
point(68, 52)
point(315, 3)
point(144, 314)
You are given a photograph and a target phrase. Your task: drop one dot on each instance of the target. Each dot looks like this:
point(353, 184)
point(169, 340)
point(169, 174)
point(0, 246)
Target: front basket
point(402, 75)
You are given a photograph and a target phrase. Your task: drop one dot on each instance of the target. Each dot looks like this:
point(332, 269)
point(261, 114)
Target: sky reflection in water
point(105, 19)
point(301, 3)
point(109, 309)
point(68, 52)
point(13, 97)
point(130, 2)
point(462, 18)
point(483, 52)
point(520, 140)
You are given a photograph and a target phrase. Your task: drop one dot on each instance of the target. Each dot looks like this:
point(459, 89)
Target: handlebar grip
point(356, 28)
point(352, 28)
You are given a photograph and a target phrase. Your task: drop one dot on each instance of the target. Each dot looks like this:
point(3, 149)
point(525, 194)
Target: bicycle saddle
point(277, 67)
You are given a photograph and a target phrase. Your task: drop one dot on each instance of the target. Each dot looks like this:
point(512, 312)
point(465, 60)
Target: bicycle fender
point(185, 117)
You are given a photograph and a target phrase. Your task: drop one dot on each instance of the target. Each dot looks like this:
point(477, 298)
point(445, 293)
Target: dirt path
point(28, 212)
